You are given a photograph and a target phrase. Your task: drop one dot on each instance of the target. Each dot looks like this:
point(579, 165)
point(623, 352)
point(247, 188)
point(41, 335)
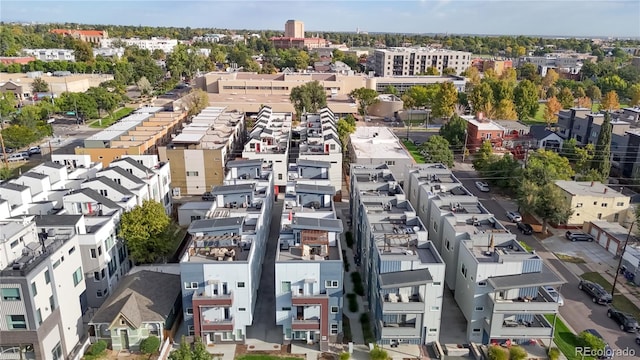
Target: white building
point(403, 272)
point(220, 271)
point(51, 54)
point(269, 141)
point(319, 141)
point(152, 44)
point(109, 52)
point(309, 267)
point(379, 145)
point(416, 61)
point(43, 292)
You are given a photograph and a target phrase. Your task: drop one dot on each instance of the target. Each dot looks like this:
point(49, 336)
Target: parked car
point(607, 353)
point(482, 186)
point(638, 339)
point(18, 157)
point(625, 320)
point(598, 294)
point(555, 295)
point(207, 196)
point(524, 228)
point(34, 150)
point(514, 216)
point(578, 236)
point(25, 153)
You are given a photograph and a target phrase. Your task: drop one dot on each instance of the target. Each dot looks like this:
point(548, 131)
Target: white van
point(18, 157)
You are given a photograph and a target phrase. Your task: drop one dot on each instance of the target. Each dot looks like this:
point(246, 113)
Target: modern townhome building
point(319, 141)
point(309, 266)
point(415, 61)
point(198, 154)
point(593, 200)
point(310, 172)
point(269, 141)
point(42, 292)
point(379, 145)
point(221, 267)
point(51, 54)
point(403, 272)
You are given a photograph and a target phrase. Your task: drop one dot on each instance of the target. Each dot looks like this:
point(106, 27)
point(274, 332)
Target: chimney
point(592, 183)
point(480, 116)
point(605, 190)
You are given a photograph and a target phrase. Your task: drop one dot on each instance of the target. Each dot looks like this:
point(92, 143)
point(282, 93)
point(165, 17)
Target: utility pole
point(624, 248)
point(4, 151)
point(464, 149)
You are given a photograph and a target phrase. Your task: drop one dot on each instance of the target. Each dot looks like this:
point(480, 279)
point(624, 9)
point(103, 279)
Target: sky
point(614, 18)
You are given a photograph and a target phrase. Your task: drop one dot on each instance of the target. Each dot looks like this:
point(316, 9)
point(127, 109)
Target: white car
point(555, 295)
point(482, 186)
point(514, 216)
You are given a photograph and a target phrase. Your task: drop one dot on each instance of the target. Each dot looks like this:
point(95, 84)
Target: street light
point(624, 248)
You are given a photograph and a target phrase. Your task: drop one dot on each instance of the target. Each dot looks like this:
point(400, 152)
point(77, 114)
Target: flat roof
point(196, 205)
point(588, 188)
point(484, 125)
point(308, 223)
point(542, 278)
point(404, 278)
point(377, 143)
point(188, 138)
point(232, 189)
point(215, 224)
point(313, 163)
point(315, 189)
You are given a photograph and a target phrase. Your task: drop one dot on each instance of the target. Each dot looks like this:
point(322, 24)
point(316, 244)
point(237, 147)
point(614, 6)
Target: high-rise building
point(294, 29)
point(415, 61)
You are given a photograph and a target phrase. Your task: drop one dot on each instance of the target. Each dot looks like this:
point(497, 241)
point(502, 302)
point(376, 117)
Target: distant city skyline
point(570, 18)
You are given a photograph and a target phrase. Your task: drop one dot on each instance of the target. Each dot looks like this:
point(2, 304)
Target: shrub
point(378, 354)
point(97, 348)
point(349, 238)
point(150, 345)
point(353, 302)
point(554, 354)
point(517, 353)
point(497, 352)
point(358, 288)
point(587, 339)
point(344, 356)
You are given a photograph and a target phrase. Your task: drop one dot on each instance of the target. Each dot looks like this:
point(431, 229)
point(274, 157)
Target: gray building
point(379, 145)
point(415, 61)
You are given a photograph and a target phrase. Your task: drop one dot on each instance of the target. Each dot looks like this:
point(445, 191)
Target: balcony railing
point(203, 298)
point(218, 324)
point(542, 303)
point(402, 303)
point(305, 324)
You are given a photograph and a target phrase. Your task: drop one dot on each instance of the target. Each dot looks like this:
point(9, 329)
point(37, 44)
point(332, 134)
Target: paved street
point(579, 313)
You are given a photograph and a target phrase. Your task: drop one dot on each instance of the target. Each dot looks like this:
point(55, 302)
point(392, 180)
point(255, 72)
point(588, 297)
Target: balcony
point(539, 327)
point(217, 325)
point(305, 324)
point(309, 299)
point(402, 303)
point(399, 330)
point(543, 303)
point(202, 298)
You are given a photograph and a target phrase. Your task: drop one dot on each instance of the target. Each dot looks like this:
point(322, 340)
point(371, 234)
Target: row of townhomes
point(60, 254)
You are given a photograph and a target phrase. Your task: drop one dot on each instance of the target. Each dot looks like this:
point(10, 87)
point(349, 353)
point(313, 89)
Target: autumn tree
point(584, 102)
point(601, 162)
point(473, 75)
point(446, 100)
point(481, 99)
point(449, 71)
point(309, 97)
point(365, 97)
point(610, 101)
point(551, 110)
point(525, 96)
point(550, 78)
point(506, 110)
point(566, 98)
point(39, 86)
point(146, 231)
point(634, 94)
point(437, 150)
point(510, 76)
point(196, 101)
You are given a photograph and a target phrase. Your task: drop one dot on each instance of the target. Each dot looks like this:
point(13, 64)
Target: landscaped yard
point(109, 120)
point(565, 339)
point(414, 151)
point(265, 357)
point(620, 302)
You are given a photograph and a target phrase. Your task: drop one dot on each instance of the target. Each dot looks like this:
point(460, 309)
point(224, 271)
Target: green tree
point(378, 354)
point(437, 150)
point(82, 51)
point(150, 345)
point(634, 94)
point(39, 86)
point(482, 99)
point(196, 101)
point(583, 159)
point(601, 162)
point(517, 353)
point(390, 89)
point(449, 71)
point(473, 74)
point(420, 96)
point(525, 96)
point(432, 71)
point(145, 231)
point(545, 166)
point(503, 171)
point(587, 339)
point(506, 110)
point(177, 61)
point(484, 156)
point(144, 86)
point(7, 106)
point(529, 72)
point(594, 93)
point(29, 116)
point(345, 128)
point(454, 132)
point(445, 101)
point(104, 99)
point(365, 97)
point(309, 97)
point(497, 352)
point(158, 54)
point(546, 201)
point(18, 136)
point(566, 98)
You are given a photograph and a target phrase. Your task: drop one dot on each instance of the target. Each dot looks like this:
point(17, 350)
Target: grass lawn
point(265, 357)
point(109, 120)
point(565, 340)
point(620, 302)
point(570, 259)
point(414, 151)
point(525, 246)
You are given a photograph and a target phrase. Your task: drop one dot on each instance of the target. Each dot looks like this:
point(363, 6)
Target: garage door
point(613, 247)
point(594, 232)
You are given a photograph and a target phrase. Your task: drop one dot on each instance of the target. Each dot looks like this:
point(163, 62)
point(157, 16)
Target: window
point(463, 270)
point(11, 294)
point(334, 329)
point(285, 286)
point(595, 203)
point(103, 192)
point(39, 316)
point(578, 205)
point(433, 330)
point(195, 217)
point(191, 330)
point(99, 250)
point(240, 284)
point(16, 322)
point(52, 303)
point(34, 288)
point(56, 353)
point(599, 216)
point(479, 308)
point(47, 278)
point(242, 309)
point(189, 311)
point(279, 176)
point(192, 173)
point(72, 250)
point(56, 264)
point(435, 308)
point(331, 284)
point(332, 146)
point(14, 244)
point(93, 253)
point(286, 308)
point(99, 293)
point(476, 330)
point(191, 285)
point(437, 283)
point(77, 276)
point(616, 217)
point(334, 309)
point(435, 226)
point(482, 283)
point(604, 204)
point(620, 204)
point(390, 162)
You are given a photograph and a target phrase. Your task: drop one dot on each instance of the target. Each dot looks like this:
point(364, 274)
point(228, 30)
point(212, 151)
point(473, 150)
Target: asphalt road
point(578, 311)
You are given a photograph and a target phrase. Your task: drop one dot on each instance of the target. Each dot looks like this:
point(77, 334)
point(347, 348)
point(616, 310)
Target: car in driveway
point(482, 186)
point(208, 196)
point(555, 295)
point(625, 320)
point(578, 236)
point(597, 293)
point(514, 216)
point(608, 352)
point(526, 229)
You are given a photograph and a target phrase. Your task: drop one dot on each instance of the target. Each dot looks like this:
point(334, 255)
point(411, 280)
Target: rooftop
point(497, 250)
point(588, 188)
point(377, 142)
point(420, 50)
point(486, 125)
point(546, 277)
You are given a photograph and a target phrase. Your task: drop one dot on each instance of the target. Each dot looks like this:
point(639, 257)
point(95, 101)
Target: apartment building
point(221, 268)
point(415, 61)
point(51, 54)
point(403, 272)
point(269, 141)
point(43, 292)
point(319, 142)
point(593, 200)
point(561, 62)
point(379, 145)
point(155, 43)
point(141, 133)
point(309, 266)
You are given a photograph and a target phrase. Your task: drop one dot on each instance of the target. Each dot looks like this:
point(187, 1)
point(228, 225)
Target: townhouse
point(309, 266)
point(42, 292)
point(379, 145)
point(269, 141)
point(199, 153)
point(319, 141)
point(51, 54)
point(155, 43)
point(221, 268)
point(403, 272)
